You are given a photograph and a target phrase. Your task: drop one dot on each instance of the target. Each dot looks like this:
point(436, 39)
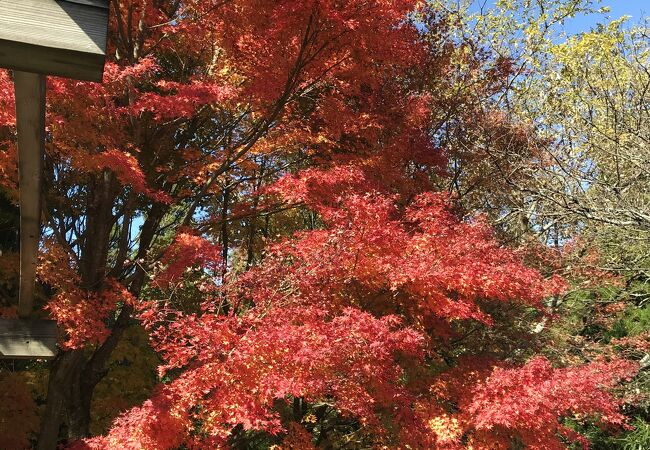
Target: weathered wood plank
point(30, 122)
point(57, 37)
point(32, 339)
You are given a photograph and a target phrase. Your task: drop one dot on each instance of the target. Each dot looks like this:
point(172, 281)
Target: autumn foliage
point(384, 316)
point(344, 315)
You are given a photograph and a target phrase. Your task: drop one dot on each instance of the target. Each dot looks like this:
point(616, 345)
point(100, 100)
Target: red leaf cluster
point(236, 369)
point(496, 403)
point(187, 251)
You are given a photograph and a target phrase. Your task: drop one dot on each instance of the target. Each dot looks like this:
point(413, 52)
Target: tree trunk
point(79, 406)
point(224, 231)
point(62, 373)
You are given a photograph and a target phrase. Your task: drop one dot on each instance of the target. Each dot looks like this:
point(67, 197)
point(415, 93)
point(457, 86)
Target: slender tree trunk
point(62, 373)
point(224, 231)
point(79, 407)
point(88, 377)
point(252, 227)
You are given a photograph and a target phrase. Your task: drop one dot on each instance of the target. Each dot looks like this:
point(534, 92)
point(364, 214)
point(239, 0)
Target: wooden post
point(30, 122)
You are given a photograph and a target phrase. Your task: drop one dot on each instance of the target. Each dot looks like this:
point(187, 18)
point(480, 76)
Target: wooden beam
point(54, 37)
point(28, 339)
point(30, 122)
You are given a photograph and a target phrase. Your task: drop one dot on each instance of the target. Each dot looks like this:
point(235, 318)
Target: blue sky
point(637, 9)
